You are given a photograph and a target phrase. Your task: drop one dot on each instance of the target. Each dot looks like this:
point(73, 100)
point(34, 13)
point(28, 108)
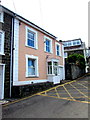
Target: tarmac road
point(49, 104)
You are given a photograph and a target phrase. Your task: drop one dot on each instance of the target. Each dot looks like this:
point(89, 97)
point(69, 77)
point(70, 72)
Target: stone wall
point(7, 28)
point(26, 90)
point(72, 71)
point(76, 71)
point(67, 71)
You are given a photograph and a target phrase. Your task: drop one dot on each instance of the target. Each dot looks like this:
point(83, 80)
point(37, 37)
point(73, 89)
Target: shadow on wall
point(73, 71)
point(27, 90)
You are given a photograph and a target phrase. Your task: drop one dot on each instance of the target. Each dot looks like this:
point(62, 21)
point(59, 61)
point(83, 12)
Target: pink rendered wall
point(23, 50)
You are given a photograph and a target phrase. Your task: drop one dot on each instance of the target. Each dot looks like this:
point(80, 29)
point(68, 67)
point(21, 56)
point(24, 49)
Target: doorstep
point(3, 102)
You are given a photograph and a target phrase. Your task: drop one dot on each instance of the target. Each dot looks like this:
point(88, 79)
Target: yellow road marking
point(43, 92)
point(65, 98)
point(73, 88)
point(69, 97)
point(68, 92)
point(57, 86)
point(75, 93)
point(61, 94)
point(84, 81)
point(83, 85)
point(18, 100)
point(57, 92)
point(78, 90)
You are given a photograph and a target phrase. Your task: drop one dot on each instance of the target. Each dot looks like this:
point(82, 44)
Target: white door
point(61, 73)
point(1, 82)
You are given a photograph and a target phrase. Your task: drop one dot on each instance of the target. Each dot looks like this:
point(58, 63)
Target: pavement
point(3, 102)
point(69, 100)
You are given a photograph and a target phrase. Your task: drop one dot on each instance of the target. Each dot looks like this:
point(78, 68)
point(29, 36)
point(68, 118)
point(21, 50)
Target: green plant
point(77, 59)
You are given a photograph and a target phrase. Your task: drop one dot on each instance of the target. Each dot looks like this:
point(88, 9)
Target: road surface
point(69, 100)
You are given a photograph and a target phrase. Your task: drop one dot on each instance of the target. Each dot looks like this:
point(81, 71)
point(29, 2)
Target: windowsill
point(31, 47)
point(59, 55)
point(32, 76)
point(2, 54)
point(1, 21)
point(47, 52)
point(50, 74)
point(53, 75)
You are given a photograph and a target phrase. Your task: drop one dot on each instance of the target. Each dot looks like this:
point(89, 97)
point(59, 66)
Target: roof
point(26, 21)
point(73, 40)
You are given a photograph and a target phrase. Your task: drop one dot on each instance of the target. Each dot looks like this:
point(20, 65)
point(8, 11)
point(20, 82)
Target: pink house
point(38, 56)
point(29, 54)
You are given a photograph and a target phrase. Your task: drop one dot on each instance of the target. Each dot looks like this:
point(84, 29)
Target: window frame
point(49, 39)
point(2, 42)
point(31, 67)
point(35, 37)
point(57, 44)
point(36, 65)
point(2, 19)
point(76, 43)
point(53, 67)
point(49, 68)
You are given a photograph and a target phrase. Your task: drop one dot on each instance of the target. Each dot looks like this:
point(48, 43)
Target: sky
point(66, 19)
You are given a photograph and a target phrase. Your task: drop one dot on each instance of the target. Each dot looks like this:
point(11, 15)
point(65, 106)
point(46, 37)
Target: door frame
point(3, 65)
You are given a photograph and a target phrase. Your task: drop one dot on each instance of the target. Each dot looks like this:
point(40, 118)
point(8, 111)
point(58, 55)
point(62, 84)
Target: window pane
point(31, 71)
point(31, 67)
point(57, 47)
point(47, 46)
point(49, 63)
point(58, 53)
point(65, 45)
point(69, 43)
point(78, 42)
point(74, 43)
point(55, 70)
point(47, 42)
point(55, 63)
point(57, 50)
point(49, 67)
point(31, 62)
point(31, 39)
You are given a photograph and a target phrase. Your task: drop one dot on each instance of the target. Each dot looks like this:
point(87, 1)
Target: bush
point(77, 59)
